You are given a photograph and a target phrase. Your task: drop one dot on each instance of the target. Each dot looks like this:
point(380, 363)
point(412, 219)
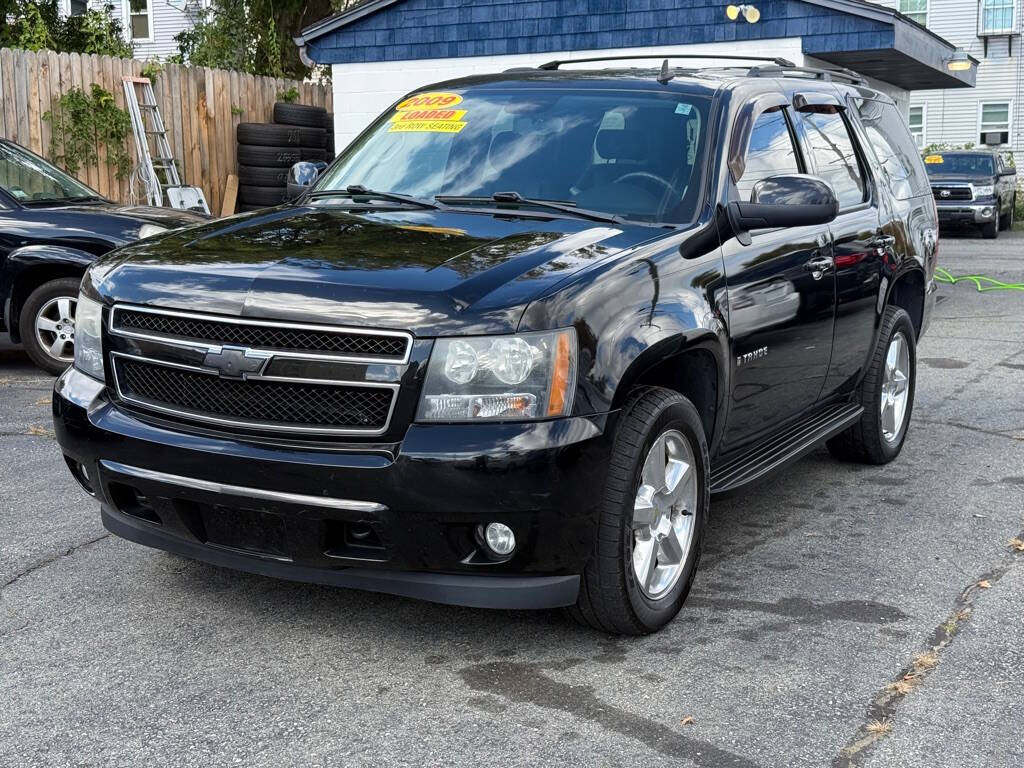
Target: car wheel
point(48, 324)
point(651, 527)
point(1007, 221)
point(990, 231)
point(887, 394)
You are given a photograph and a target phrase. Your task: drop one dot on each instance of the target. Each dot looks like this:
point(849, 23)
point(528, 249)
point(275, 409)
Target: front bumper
point(397, 518)
point(964, 213)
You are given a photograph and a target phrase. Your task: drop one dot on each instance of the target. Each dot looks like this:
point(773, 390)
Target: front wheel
point(887, 394)
point(652, 522)
point(990, 231)
point(48, 324)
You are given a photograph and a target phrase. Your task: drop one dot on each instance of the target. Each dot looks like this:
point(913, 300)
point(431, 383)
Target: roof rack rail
point(773, 59)
point(819, 74)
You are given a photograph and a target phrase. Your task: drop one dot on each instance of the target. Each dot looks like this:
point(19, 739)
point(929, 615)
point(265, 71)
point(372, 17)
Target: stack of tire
point(266, 151)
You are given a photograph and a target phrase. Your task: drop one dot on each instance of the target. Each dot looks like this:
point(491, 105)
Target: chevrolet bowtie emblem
point(235, 362)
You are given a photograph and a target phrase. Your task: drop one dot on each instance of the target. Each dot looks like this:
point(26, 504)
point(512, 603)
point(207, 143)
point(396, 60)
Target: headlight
point(500, 378)
point(985, 190)
point(148, 230)
point(88, 347)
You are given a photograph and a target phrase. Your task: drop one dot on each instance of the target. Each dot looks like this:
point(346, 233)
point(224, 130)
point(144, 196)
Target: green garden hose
point(981, 282)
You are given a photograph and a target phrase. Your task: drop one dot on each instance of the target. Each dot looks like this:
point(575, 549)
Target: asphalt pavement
point(843, 616)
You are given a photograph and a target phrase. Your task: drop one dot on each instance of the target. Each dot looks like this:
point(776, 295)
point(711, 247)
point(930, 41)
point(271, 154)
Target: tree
point(38, 25)
point(254, 36)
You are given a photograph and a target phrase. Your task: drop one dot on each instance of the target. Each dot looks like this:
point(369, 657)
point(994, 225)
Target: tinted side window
point(771, 151)
point(894, 147)
point(835, 159)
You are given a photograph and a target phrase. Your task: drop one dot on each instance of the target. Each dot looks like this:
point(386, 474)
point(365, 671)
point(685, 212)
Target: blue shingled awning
point(872, 40)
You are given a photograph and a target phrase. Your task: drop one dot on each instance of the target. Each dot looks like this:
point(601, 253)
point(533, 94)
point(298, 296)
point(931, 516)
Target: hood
point(426, 271)
point(961, 178)
point(171, 218)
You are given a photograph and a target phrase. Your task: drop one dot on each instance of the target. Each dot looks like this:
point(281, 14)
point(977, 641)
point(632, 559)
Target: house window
point(994, 123)
point(139, 19)
point(915, 120)
point(916, 10)
point(72, 8)
point(996, 16)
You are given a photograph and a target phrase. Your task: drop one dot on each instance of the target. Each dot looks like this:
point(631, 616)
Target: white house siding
point(169, 17)
point(364, 90)
point(951, 116)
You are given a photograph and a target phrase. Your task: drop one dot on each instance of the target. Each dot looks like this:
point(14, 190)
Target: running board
point(787, 446)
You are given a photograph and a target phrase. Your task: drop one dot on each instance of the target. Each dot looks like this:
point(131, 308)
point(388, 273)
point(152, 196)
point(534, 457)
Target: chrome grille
point(255, 402)
point(292, 338)
point(952, 193)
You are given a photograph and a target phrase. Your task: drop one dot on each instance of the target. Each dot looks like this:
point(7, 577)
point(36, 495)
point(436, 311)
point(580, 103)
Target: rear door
point(781, 295)
point(859, 239)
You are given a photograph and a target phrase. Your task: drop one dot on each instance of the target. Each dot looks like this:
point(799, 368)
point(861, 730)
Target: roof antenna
point(665, 75)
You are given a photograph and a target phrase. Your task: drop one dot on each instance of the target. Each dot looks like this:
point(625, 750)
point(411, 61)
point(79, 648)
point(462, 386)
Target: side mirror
point(1009, 172)
point(301, 176)
point(794, 200)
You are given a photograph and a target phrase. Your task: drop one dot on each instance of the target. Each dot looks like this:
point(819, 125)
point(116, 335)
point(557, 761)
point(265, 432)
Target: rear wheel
point(1006, 220)
point(48, 324)
point(887, 394)
point(652, 521)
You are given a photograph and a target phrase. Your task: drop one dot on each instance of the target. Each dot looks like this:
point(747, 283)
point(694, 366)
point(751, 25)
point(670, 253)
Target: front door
point(781, 299)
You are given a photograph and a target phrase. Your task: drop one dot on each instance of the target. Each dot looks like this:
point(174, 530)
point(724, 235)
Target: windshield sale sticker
point(934, 159)
point(429, 112)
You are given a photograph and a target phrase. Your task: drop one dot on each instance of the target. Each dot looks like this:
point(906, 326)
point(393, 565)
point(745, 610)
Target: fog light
point(986, 211)
point(499, 538)
point(80, 474)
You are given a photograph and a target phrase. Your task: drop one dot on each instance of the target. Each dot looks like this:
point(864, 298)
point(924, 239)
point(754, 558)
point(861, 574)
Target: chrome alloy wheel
point(895, 387)
point(55, 328)
point(663, 523)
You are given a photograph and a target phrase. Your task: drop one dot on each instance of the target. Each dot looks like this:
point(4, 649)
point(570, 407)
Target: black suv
point(51, 228)
point(973, 188)
point(506, 347)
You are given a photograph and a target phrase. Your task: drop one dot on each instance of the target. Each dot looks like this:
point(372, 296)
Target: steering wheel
point(666, 189)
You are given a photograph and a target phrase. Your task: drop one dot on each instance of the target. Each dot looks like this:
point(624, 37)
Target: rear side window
point(770, 153)
point(835, 159)
point(893, 146)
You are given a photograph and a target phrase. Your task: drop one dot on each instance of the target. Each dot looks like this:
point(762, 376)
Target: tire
point(866, 441)
point(262, 196)
point(309, 153)
point(1006, 222)
point(254, 175)
point(990, 231)
point(268, 157)
point(611, 597)
point(45, 303)
point(329, 122)
point(299, 114)
point(268, 135)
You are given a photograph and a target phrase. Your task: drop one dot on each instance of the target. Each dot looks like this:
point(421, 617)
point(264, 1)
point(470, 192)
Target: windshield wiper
point(552, 205)
point(358, 190)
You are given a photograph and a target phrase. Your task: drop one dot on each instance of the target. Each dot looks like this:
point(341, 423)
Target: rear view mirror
point(301, 177)
point(794, 200)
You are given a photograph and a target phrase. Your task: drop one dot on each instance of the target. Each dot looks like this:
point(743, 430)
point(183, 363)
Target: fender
point(18, 261)
point(634, 313)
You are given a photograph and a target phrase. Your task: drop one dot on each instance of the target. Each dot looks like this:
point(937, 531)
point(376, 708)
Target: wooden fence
point(200, 106)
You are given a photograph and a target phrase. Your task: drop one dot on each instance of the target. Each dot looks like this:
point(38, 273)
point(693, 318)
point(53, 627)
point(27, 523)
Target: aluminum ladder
point(178, 194)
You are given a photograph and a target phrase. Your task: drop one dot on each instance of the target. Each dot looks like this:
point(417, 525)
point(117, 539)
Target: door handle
point(819, 265)
point(883, 241)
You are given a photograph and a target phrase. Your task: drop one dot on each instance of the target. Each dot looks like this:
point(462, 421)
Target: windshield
point(633, 154)
point(27, 177)
point(966, 165)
